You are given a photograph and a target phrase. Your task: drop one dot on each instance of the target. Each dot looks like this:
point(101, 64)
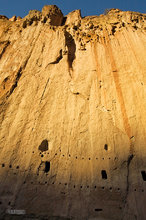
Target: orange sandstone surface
point(73, 116)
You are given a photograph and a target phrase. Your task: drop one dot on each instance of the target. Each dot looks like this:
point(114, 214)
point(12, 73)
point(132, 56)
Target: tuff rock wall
point(73, 115)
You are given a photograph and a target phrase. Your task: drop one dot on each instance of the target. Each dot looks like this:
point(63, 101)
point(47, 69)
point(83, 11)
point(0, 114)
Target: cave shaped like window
point(106, 147)
point(44, 145)
point(104, 174)
point(47, 167)
point(143, 173)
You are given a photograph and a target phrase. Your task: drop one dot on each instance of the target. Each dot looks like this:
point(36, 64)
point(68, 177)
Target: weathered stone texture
point(53, 13)
point(73, 17)
point(73, 115)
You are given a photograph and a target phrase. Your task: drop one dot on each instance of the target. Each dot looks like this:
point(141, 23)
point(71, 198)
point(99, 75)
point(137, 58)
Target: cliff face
point(73, 115)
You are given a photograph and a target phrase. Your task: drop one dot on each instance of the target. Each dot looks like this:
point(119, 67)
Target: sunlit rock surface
point(73, 116)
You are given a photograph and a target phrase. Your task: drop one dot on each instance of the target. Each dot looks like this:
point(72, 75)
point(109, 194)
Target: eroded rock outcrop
point(73, 17)
point(72, 115)
point(53, 13)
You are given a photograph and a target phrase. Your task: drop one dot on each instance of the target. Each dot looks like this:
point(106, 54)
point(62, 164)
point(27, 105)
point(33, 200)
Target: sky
point(88, 7)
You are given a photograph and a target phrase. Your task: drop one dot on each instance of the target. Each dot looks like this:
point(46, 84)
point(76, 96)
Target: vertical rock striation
point(73, 115)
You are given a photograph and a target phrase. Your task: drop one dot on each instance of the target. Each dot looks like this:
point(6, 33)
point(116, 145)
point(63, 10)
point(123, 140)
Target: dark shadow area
point(98, 210)
point(106, 147)
point(58, 58)
point(64, 20)
point(35, 189)
point(113, 30)
point(19, 73)
point(43, 146)
point(104, 174)
point(70, 43)
point(47, 167)
point(143, 173)
point(5, 45)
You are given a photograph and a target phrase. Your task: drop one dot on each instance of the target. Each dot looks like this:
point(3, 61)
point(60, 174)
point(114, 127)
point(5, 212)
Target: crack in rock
point(58, 58)
point(16, 81)
point(70, 43)
point(44, 90)
point(6, 44)
point(130, 158)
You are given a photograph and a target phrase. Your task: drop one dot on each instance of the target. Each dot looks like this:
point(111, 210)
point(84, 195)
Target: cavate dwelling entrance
point(104, 174)
point(143, 173)
point(106, 147)
point(43, 146)
point(44, 166)
point(47, 167)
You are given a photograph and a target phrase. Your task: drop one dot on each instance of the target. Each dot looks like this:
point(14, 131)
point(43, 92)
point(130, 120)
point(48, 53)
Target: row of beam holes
point(46, 170)
point(89, 157)
point(10, 166)
point(103, 172)
point(75, 157)
point(9, 203)
point(63, 155)
point(43, 147)
point(65, 184)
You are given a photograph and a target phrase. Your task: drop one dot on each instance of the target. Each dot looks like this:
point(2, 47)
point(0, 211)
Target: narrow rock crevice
point(18, 75)
point(58, 58)
point(6, 44)
point(130, 158)
point(70, 43)
point(44, 91)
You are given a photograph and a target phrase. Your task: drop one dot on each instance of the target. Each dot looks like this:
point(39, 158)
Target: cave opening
point(143, 173)
point(47, 167)
point(43, 146)
point(104, 174)
point(106, 147)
